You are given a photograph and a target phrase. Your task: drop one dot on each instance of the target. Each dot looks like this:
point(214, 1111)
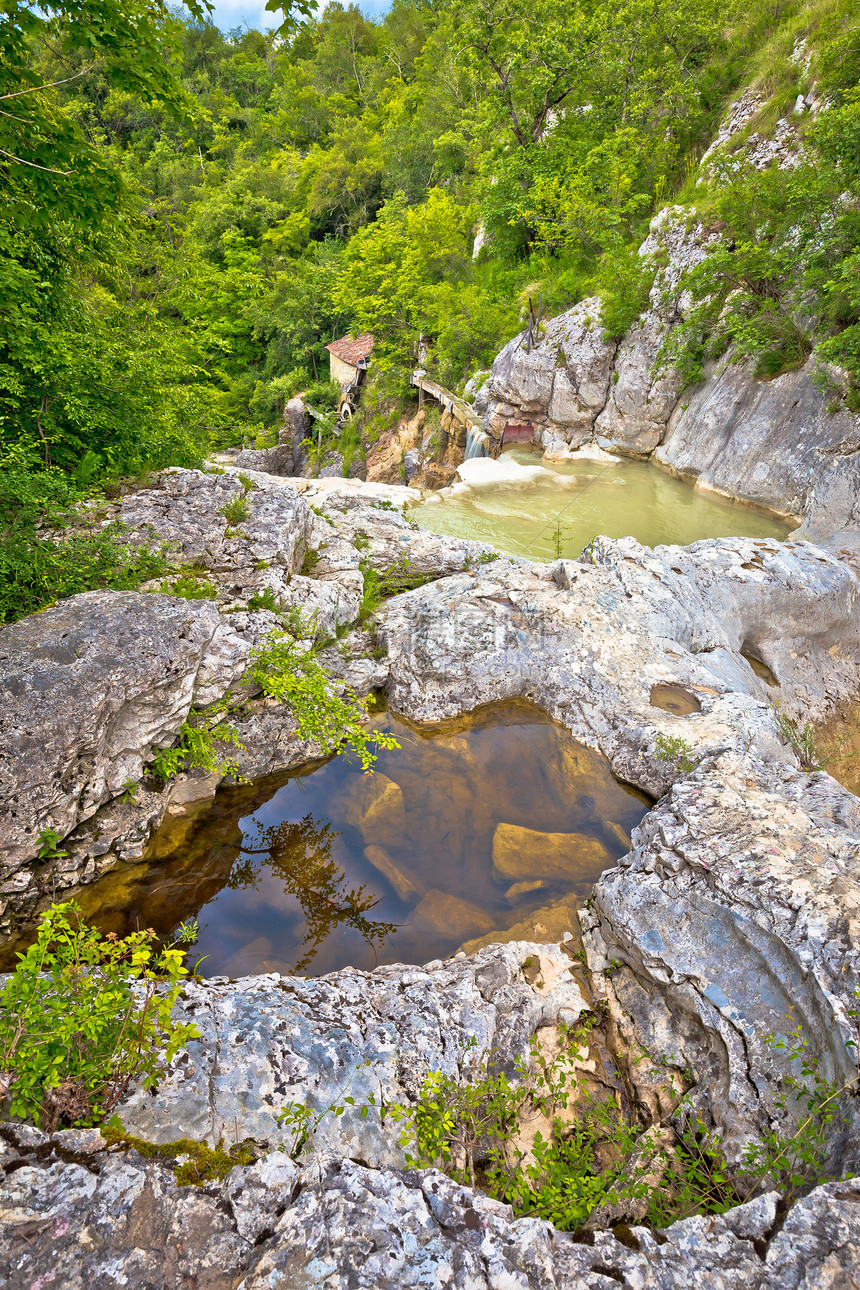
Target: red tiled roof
point(350, 349)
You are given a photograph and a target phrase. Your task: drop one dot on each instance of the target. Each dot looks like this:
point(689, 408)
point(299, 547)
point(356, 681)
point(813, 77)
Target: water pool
point(542, 509)
point(496, 822)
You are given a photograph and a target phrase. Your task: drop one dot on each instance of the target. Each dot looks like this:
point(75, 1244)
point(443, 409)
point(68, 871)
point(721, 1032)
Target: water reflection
point(298, 853)
point(494, 825)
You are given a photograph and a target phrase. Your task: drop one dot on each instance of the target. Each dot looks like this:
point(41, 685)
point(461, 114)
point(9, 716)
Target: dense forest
point(189, 216)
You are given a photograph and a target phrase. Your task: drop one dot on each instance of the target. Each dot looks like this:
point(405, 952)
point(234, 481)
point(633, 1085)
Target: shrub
point(83, 1017)
point(290, 672)
point(197, 746)
point(190, 586)
point(470, 1128)
point(39, 562)
point(676, 751)
point(236, 510)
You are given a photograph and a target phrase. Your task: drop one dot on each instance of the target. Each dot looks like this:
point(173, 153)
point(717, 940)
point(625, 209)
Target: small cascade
point(477, 444)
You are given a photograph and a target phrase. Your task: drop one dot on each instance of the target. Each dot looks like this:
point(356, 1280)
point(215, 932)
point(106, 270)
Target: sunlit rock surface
point(269, 1040)
point(780, 444)
point(736, 916)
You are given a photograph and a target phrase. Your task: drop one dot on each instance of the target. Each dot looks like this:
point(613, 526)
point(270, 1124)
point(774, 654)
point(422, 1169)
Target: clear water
point(560, 512)
point(327, 867)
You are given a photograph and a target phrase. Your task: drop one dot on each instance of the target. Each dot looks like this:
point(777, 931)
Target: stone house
point(349, 355)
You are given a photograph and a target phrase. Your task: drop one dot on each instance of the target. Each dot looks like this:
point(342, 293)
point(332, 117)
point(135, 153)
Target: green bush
point(236, 510)
point(323, 395)
point(85, 1016)
point(198, 746)
point(290, 672)
point(42, 559)
point(470, 1127)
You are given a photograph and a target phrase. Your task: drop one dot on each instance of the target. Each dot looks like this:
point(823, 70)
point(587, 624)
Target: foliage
point(190, 216)
point(471, 1126)
point(780, 278)
point(800, 1159)
point(288, 670)
point(677, 751)
point(83, 1016)
point(203, 743)
point(190, 586)
point(379, 584)
point(49, 845)
point(40, 561)
point(264, 599)
point(802, 739)
point(236, 510)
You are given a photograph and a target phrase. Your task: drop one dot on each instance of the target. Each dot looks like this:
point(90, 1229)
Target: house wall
point(341, 371)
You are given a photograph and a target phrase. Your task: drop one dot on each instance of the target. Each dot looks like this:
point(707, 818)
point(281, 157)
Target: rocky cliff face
point(776, 444)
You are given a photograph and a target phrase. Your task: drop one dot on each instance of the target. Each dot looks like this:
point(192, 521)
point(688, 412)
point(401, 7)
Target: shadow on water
point(497, 823)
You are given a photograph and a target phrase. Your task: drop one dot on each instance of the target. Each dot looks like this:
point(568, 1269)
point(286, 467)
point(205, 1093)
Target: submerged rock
point(525, 853)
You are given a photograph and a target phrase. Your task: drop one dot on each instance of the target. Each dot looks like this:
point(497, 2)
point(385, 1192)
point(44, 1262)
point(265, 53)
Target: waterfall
point(476, 444)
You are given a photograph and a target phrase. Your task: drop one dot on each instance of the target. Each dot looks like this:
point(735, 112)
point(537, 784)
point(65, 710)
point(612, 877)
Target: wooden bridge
point(479, 442)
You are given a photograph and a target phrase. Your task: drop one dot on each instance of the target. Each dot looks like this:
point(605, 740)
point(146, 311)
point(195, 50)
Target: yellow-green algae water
point(496, 825)
point(543, 509)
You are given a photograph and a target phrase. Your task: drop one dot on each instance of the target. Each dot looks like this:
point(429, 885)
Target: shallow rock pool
point(543, 509)
point(496, 825)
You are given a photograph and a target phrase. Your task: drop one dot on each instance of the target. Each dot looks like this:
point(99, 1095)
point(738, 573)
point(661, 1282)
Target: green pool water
point(556, 509)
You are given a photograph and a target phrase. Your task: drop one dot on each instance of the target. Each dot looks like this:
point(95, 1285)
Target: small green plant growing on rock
point(289, 671)
point(236, 510)
point(48, 843)
point(83, 1016)
point(264, 599)
point(799, 1159)
point(190, 587)
point(802, 739)
point(677, 751)
point(558, 539)
point(202, 743)
point(310, 561)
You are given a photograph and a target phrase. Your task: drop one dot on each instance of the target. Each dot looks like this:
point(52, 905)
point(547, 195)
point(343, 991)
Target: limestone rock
point(564, 377)
point(267, 1040)
point(526, 853)
point(90, 688)
point(274, 461)
point(733, 917)
point(774, 443)
point(589, 644)
point(635, 417)
point(103, 1219)
point(186, 510)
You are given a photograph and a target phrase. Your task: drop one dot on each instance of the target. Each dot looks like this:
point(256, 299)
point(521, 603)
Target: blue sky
point(235, 13)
